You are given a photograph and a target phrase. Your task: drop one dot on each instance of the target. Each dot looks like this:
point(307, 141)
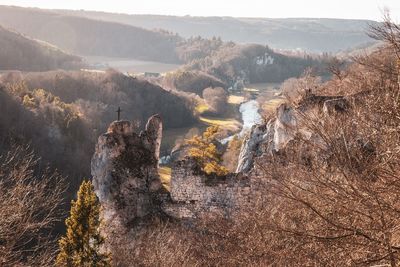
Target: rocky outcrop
point(125, 172)
point(268, 138)
point(250, 147)
point(272, 137)
point(335, 106)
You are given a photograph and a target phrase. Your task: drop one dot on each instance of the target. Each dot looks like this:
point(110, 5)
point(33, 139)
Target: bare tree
point(337, 197)
point(30, 207)
point(388, 32)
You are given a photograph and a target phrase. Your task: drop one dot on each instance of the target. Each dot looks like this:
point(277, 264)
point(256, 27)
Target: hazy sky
point(361, 9)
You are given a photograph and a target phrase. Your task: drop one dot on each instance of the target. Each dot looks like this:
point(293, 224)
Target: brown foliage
point(30, 207)
point(156, 244)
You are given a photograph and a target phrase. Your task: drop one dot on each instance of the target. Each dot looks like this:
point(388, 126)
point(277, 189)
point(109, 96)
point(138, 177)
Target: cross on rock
point(119, 113)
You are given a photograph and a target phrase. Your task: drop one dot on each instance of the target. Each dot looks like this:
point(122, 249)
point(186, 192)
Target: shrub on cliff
point(205, 153)
point(81, 244)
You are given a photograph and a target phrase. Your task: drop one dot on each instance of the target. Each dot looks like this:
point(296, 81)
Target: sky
point(349, 9)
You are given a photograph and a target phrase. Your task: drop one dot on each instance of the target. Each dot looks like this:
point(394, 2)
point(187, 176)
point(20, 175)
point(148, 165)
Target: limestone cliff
point(125, 171)
point(272, 137)
point(268, 138)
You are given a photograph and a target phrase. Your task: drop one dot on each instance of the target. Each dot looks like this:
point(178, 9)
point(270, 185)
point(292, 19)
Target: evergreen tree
point(203, 150)
point(81, 244)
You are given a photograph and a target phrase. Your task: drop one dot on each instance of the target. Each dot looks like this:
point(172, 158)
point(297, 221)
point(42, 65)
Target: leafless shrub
point(296, 89)
point(336, 198)
point(30, 207)
point(387, 31)
point(158, 244)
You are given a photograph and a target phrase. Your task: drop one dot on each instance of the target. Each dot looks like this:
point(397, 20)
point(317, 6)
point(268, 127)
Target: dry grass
point(201, 108)
point(235, 99)
point(262, 86)
point(271, 105)
point(228, 124)
point(165, 175)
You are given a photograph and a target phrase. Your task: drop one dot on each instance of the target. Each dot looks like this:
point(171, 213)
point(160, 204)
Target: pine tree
point(203, 150)
point(81, 244)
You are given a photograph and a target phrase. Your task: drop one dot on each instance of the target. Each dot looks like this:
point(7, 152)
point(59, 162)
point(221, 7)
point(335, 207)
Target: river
point(250, 116)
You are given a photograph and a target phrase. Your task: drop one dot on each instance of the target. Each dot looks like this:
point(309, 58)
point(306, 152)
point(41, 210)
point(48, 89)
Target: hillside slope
point(84, 36)
point(18, 52)
point(316, 35)
point(60, 114)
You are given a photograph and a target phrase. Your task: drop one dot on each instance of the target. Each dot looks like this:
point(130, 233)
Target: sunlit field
point(130, 65)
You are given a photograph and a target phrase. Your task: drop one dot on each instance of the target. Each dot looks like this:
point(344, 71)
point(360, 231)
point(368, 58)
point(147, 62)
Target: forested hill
point(309, 34)
point(18, 52)
point(60, 114)
point(84, 36)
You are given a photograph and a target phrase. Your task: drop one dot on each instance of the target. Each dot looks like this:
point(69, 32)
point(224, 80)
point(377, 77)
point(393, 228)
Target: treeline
point(255, 64)
point(192, 81)
point(18, 52)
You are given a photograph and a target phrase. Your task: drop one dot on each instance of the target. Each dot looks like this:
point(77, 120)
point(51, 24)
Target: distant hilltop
point(308, 34)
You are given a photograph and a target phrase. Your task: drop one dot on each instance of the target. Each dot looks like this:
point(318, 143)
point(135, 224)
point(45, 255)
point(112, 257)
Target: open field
point(235, 99)
point(271, 105)
point(268, 96)
point(230, 120)
point(228, 124)
point(129, 65)
point(262, 87)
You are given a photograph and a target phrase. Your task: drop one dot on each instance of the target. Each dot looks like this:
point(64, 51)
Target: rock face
point(250, 147)
point(268, 138)
point(125, 171)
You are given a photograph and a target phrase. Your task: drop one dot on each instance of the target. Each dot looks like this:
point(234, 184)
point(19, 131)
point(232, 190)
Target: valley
point(157, 140)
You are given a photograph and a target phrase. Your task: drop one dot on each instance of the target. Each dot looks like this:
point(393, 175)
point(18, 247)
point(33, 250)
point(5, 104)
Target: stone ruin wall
point(197, 195)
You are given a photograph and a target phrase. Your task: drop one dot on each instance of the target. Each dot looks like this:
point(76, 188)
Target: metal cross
point(119, 113)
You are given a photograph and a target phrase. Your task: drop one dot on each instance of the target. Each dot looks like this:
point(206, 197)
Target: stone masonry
point(196, 195)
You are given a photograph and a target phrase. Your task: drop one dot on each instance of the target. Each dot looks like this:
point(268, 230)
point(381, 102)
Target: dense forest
point(255, 63)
